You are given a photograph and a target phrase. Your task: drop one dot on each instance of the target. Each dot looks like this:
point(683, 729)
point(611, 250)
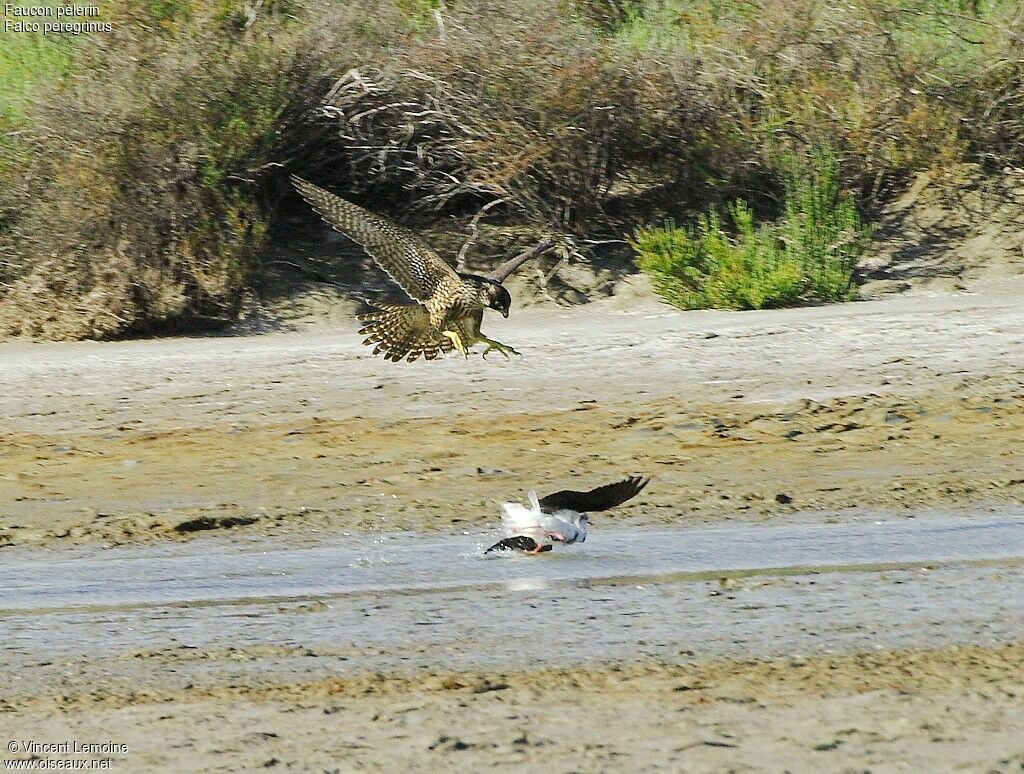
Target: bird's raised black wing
point(600, 499)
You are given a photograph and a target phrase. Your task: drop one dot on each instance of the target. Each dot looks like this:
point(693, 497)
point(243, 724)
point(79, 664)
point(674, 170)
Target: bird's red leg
point(556, 536)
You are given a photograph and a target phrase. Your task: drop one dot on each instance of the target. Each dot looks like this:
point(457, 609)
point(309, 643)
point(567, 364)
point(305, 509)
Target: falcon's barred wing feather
point(600, 499)
point(398, 251)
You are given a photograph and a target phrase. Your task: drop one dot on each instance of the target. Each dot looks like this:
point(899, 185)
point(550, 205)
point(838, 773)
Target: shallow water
point(405, 602)
point(215, 572)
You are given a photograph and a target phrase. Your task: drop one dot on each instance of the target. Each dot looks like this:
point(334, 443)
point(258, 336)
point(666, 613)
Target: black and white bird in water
point(560, 517)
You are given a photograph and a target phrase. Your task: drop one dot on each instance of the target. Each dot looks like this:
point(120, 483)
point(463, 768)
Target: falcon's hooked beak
point(497, 298)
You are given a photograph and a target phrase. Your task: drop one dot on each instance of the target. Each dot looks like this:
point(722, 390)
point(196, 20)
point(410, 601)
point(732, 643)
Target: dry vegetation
point(138, 190)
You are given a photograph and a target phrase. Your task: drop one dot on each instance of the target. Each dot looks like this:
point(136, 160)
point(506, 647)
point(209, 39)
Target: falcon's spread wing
point(399, 252)
point(600, 499)
point(402, 330)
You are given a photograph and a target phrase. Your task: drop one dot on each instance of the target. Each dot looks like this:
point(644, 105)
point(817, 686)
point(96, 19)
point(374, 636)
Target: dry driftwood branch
point(254, 13)
point(440, 25)
point(505, 270)
point(474, 228)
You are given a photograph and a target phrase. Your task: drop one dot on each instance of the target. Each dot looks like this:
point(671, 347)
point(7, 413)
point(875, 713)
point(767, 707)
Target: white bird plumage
point(519, 520)
point(559, 517)
point(563, 526)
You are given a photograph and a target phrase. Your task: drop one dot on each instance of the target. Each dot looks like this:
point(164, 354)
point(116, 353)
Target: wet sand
point(951, 709)
point(904, 410)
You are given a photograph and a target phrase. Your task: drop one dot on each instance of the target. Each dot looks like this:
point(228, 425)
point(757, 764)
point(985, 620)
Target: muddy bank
point(953, 229)
point(807, 669)
point(898, 404)
point(829, 418)
point(943, 710)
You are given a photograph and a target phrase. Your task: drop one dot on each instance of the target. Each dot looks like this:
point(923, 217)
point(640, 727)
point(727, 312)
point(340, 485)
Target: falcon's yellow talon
point(502, 348)
point(457, 342)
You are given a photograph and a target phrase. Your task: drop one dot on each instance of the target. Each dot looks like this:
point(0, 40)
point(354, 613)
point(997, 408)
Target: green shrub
point(808, 256)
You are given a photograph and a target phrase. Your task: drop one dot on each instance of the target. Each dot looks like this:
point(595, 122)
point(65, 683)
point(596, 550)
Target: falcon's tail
point(402, 331)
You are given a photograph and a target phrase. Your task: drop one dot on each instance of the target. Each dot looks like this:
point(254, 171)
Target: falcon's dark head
point(494, 295)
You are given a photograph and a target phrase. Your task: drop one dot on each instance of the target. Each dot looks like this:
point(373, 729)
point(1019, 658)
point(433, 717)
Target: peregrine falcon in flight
point(449, 305)
point(560, 517)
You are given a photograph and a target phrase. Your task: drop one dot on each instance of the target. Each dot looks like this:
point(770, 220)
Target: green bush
point(808, 256)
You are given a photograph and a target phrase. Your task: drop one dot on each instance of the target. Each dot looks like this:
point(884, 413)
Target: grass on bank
point(132, 214)
point(27, 61)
